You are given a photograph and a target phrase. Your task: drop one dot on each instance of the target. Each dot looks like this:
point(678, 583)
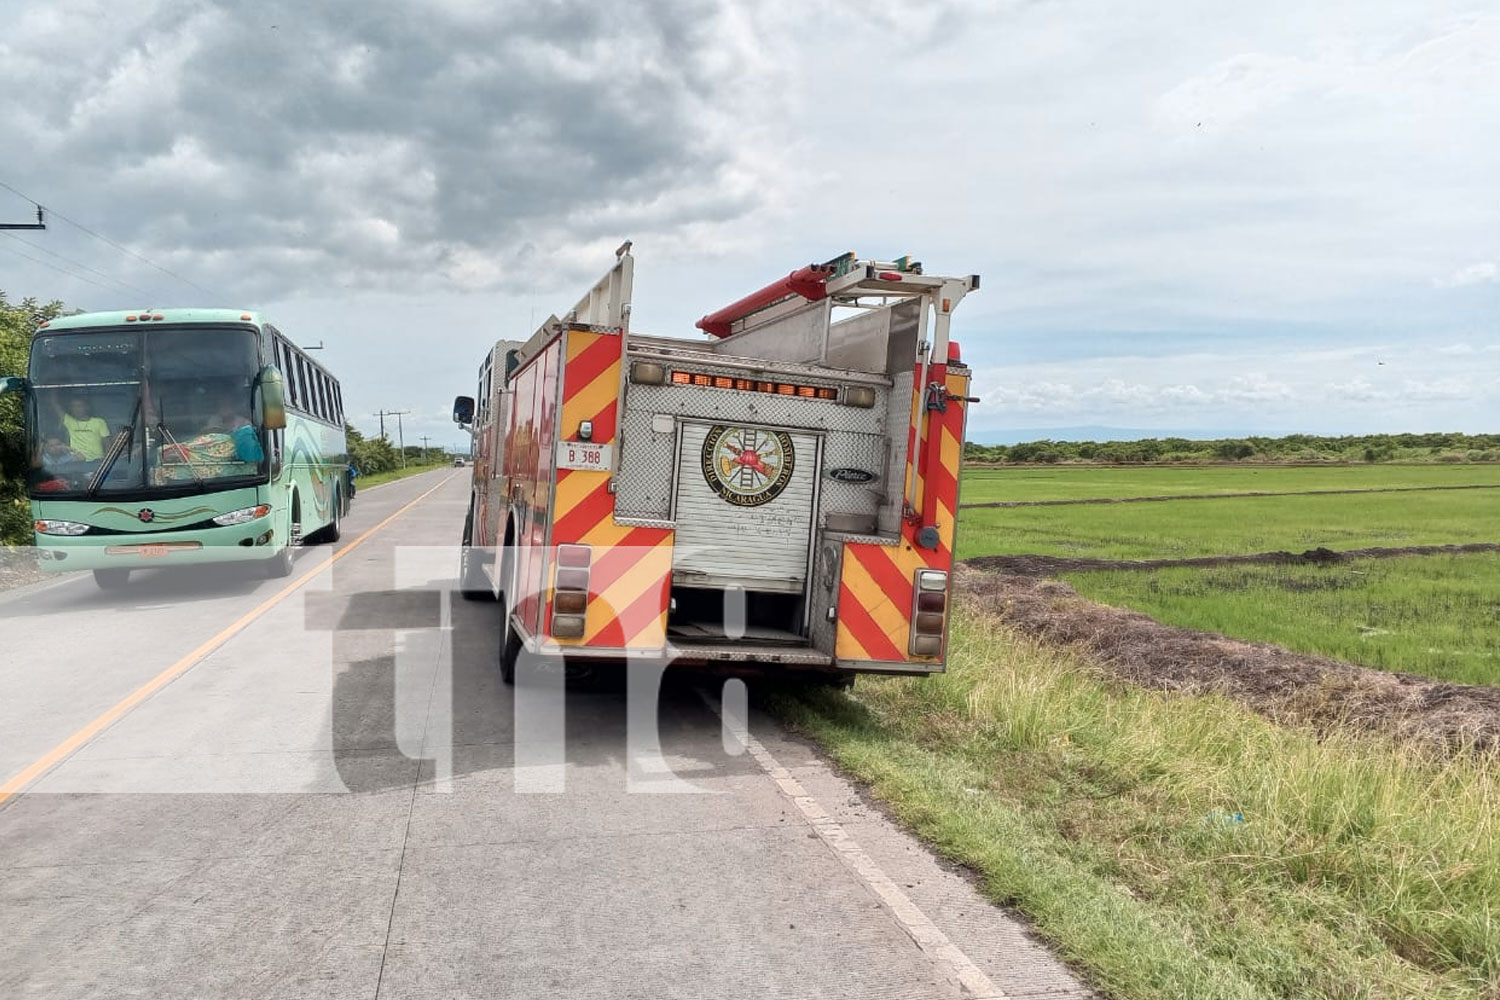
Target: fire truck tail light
point(570, 591)
point(574, 555)
point(926, 645)
point(572, 579)
point(567, 626)
point(929, 612)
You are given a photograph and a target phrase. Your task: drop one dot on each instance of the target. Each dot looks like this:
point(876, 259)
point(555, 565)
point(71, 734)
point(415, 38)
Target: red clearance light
point(130, 319)
point(754, 385)
point(158, 316)
point(889, 275)
point(43, 326)
point(245, 316)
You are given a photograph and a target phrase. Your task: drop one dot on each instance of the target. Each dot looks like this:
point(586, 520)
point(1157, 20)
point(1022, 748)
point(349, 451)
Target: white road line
point(950, 960)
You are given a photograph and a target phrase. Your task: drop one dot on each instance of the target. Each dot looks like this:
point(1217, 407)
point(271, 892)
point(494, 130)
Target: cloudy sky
point(1227, 217)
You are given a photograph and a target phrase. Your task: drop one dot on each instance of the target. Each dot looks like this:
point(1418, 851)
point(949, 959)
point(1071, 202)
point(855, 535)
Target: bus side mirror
point(463, 410)
point(272, 398)
point(12, 383)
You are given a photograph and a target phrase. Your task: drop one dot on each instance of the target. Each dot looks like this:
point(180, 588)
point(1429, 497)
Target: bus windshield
point(154, 411)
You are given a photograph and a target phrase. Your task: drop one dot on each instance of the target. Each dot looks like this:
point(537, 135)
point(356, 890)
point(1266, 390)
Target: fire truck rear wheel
point(510, 650)
point(472, 585)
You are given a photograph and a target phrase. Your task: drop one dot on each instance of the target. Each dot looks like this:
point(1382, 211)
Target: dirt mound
point(1026, 565)
point(1282, 685)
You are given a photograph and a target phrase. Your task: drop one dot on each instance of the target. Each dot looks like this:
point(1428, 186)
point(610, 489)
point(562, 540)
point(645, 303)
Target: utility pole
point(424, 449)
point(389, 413)
point(40, 223)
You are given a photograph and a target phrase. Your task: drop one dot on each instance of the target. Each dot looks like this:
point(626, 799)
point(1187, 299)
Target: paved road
point(309, 788)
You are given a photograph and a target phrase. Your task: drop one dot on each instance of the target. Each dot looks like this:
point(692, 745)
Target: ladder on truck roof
point(807, 295)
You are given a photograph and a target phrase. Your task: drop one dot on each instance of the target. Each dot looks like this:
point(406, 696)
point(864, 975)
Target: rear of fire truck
point(779, 494)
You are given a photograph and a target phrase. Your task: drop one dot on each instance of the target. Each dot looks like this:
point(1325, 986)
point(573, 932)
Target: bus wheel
point(472, 585)
point(280, 564)
point(331, 532)
point(111, 579)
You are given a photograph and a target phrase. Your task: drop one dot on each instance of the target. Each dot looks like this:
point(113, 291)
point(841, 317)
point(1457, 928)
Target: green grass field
point(1078, 482)
point(1432, 615)
point(1183, 847)
point(390, 476)
point(1237, 526)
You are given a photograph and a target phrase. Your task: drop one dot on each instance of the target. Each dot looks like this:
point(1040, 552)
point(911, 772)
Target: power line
point(80, 264)
point(105, 239)
point(59, 270)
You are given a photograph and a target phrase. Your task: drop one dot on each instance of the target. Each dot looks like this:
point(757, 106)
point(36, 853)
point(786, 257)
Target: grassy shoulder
point(984, 485)
point(1242, 525)
point(1432, 615)
point(1173, 846)
point(391, 475)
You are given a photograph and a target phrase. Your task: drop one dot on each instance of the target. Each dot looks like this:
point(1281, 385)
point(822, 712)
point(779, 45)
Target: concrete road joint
point(948, 958)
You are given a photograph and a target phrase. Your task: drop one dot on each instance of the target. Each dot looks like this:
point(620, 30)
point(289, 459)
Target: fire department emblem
point(747, 466)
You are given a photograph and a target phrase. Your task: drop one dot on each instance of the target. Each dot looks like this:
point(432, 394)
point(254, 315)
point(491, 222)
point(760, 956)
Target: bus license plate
point(582, 455)
point(152, 551)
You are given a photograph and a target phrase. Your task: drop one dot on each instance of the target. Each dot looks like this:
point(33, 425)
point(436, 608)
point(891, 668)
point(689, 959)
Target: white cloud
point(1485, 272)
point(1438, 389)
point(1359, 390)
point(1255, 388)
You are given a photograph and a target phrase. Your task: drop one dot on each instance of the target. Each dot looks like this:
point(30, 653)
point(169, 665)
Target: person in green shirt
point(86, 432)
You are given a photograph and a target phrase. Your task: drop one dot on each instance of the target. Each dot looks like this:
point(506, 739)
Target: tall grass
point(1182, 847)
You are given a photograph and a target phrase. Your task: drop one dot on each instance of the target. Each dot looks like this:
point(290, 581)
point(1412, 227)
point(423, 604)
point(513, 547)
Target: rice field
point(1437, 615)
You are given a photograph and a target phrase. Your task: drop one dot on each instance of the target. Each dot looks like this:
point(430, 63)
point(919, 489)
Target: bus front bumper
point(252, 542)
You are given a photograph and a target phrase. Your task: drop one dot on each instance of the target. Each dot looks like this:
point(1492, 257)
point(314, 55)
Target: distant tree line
point(1291, 448)
point(372, 455)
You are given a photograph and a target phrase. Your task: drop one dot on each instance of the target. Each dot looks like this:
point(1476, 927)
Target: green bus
point(178, 436)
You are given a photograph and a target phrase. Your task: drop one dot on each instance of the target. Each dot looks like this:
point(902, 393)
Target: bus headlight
point(47, 527)
point(242, 515)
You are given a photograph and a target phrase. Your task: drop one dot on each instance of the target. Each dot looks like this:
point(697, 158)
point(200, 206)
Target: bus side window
point(303, 387)
point(294, 388)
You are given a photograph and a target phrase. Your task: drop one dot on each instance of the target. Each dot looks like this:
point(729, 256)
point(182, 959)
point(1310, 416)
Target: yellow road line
point(67, 747)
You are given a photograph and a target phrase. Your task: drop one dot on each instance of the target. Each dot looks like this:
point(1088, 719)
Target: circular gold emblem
point(747, 466)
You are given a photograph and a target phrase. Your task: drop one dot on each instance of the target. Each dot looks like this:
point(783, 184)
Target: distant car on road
point(458, 463)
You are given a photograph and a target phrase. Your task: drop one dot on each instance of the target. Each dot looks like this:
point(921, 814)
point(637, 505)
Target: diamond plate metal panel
point(872, 440)
point(643, 488)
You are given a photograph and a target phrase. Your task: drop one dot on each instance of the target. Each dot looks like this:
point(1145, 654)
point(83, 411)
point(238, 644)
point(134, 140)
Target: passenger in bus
point(86, 432)
point(232, 418)
point(55, 451)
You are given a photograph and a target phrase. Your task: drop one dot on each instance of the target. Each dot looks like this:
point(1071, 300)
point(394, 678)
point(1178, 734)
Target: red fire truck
point(777, 495)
